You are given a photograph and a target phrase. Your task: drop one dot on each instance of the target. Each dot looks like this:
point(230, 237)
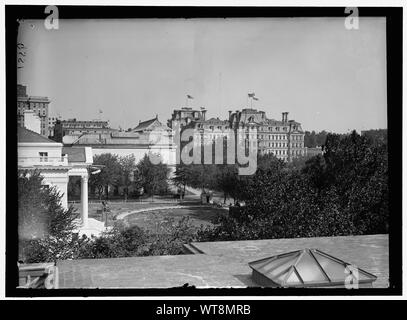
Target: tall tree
point(110, 173)
point(128, 174)
point(153, 176)
point(227, 181)
point(182, 176)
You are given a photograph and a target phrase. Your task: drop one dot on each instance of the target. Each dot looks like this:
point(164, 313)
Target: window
point(43, 156)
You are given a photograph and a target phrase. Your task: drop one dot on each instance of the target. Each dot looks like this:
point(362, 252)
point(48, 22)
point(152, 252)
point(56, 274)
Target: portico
point(81, 160)
point(56, 164)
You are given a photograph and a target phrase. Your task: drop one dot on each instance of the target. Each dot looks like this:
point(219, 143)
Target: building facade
point(283, 138)
point(52, 120)
point(56, 164)
point(186, 116)
point(37, 104)
point(148, 137)
point(73, 127)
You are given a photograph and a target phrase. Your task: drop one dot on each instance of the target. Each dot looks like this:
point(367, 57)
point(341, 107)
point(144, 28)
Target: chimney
point(283, 116)
point(204, 114)
point(32, 121)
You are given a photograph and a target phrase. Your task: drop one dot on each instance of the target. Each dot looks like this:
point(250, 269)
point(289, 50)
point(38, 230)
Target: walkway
point(122, 215)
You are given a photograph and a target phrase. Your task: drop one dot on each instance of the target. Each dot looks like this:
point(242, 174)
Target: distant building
point(284, 138)
point(154, 131)
point(37, 104)
point(52, 120)
point(147, 137)
point(73, 127)
point(210, 130)
point(185, 116)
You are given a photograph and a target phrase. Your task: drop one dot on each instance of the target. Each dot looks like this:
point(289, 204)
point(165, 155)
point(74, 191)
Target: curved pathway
point(122, 215)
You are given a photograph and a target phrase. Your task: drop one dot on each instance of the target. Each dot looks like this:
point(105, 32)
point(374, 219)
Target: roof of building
point(145, 124)
point(212, 121)
point(149, 123)
point(25, 135)
point(221, 264)
point(76, 154)
point(306, 267)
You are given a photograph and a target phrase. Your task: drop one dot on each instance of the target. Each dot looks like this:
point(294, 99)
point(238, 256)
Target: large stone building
point(186, 116)
point(37, 104)
point(284, 138)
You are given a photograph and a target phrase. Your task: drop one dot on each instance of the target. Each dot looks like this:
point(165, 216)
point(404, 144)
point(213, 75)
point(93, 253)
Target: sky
point(326, 76)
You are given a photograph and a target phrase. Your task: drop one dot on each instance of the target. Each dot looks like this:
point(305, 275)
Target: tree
point(128, 174)
point(110, 173)
point(358, 167)
point(227, 181)
point(343, 192)
point(181, 176)
point(153, 176)
point(44, 226)
point(313, 139)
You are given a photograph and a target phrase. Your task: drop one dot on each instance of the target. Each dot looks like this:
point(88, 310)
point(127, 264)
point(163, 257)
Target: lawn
point(119, 207)
point(203, 215)
point(151, 220)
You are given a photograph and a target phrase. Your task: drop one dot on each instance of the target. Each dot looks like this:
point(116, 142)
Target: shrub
point(172, 237)
point(124, 241)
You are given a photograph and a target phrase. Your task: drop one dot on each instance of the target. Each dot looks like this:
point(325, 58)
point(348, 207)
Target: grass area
point(119, 207)
point(152, 219)
point(198, 216)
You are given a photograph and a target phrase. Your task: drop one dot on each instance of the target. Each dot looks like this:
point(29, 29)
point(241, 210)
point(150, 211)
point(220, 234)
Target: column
point(84, 200)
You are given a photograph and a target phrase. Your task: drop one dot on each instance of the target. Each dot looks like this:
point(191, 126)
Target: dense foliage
point(130, 241)
point(109, 174)
point(123, 172)
point(44, 226)
point(343, 192)
point(153, 176)
point(315, 139)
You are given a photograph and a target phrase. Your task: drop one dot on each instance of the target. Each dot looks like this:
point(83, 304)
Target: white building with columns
point(56, 164)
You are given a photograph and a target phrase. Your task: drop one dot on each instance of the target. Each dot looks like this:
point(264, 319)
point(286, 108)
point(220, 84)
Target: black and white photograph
point(252, 151)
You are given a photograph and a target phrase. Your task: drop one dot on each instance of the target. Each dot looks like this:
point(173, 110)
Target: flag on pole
point(251, 95)
point(189, 97)
point(254, 98)
point(100, 111)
